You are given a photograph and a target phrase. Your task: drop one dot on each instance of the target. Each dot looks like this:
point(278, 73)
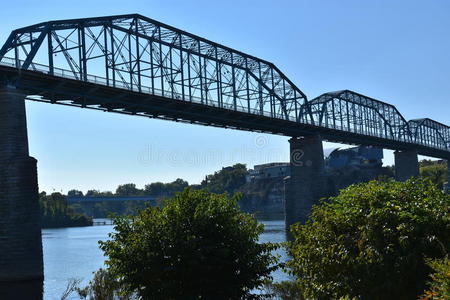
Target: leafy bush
point(435, 171)
point(440, 284)
point(198, 246)
point(55, 212)
point(104, 286)
point(371, 241)
point(285, 290)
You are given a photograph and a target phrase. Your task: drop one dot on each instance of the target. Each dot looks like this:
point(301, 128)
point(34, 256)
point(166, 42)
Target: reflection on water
point(74, 253)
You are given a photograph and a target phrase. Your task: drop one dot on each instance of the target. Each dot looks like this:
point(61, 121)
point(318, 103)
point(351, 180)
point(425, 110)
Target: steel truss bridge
point(134, 65)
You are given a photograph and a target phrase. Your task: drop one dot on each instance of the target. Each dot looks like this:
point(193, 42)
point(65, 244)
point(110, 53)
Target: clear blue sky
point(396, 51)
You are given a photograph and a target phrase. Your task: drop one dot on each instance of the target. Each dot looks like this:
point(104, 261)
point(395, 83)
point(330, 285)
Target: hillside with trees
point(434, 170)
point(55, 212)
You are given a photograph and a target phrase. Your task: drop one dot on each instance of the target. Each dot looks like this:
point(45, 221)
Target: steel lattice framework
point(134, 65)
point(349, 111)
point(430, 133)
point(141, 54)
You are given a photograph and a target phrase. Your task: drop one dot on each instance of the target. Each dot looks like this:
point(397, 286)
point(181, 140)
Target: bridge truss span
point(134, 65)
point(430, 133)
point(352, 112)
point(144, 55)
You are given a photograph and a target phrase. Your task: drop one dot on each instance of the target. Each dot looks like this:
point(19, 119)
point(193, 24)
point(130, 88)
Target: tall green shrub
point(371, 241)
point(199, 246)
point(439, 286)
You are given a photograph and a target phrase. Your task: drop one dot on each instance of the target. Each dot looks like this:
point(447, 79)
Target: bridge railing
point(64, 73)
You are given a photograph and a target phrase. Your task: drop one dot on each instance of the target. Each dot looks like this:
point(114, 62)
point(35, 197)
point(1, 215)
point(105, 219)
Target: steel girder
point(141, 54)
point(430, 133)
point(349, 111)
point(352, 112)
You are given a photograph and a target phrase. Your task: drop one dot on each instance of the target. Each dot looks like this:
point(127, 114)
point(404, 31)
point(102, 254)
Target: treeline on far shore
point(55, 212)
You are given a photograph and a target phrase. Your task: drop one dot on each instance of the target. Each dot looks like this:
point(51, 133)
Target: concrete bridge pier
point(21, 262)
point(306, 184)
point(406, 164)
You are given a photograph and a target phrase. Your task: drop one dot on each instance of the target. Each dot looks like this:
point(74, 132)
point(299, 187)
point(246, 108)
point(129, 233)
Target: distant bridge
point(94, 199)
point(134, 65)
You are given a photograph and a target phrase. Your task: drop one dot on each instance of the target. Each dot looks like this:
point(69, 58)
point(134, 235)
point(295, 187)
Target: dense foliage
point(199, 246)
point(440, 284)
point(56, 213)
point(159, 189)
point(102, 209)
point(104, 287)
point(371, 241)
point(227, 180)
point(435, 171)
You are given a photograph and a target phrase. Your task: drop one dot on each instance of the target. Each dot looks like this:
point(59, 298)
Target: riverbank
point(56, 213)
point(65, 221)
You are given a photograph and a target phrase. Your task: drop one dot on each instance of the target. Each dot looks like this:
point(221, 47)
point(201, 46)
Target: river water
point(74, 253)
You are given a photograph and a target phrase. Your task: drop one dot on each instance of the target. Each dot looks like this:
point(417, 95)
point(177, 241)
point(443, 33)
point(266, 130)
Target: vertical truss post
point(152, 75)
point(189, 76)
point(261, 104)
point(247, 85)
point(171, 83)
point(233, 79)
point(161, 62)
point(334, 115)
point(206, 79)
point(181, 67)
point(219, 84)
point(138, 56)
point(219, 98)
point(105, 41)
point(200, 72)
point(272, 102)
point(83, 58)
point(50, 53)
point(130, 61)
point(113, 56)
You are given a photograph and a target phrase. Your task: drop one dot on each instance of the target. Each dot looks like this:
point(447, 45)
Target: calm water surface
point(74, 253)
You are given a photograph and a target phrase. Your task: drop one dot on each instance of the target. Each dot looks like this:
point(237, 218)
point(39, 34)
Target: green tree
point(92, 193)
point(436, 172)
point(75, 193)
point(104, 287)
point(440, 283)
point(199, 246)
point(159, 189)
point(371, 241)
point(55, 212)
point(227, 180)
point(177, 186)
point(128, 189)
point(155, 189)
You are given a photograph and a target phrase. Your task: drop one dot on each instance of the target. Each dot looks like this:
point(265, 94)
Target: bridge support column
point(406, 165)
point(306, 184)
point(21, 262)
